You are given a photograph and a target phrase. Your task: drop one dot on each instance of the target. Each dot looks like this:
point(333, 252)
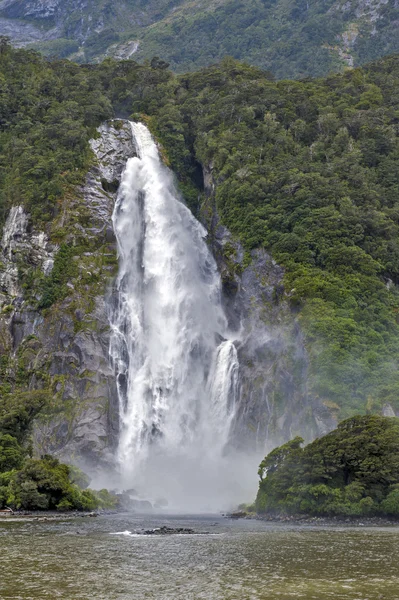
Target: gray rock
point(70, 343)
point(388, 411)
point(274, 403)
point(68, 347)
point(19, 246)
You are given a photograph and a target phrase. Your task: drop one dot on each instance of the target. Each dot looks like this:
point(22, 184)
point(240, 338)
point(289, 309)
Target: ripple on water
point(250, 561)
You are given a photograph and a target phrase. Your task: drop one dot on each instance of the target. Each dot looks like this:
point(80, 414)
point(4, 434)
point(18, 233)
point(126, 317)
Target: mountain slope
point(297, 183)
point(292, 38)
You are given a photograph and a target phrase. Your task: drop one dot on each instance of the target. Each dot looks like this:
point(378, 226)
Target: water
point(175, 360)
point(244, 560)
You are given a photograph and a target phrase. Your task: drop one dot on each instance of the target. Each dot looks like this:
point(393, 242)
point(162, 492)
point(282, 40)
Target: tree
point(11, 453)
point(353, 470)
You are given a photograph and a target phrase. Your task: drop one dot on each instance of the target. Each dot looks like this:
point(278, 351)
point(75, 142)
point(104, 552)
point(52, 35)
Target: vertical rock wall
point(65, 348)
point(275, 402)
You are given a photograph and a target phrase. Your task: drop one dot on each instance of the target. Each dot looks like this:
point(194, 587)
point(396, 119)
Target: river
point(87, 558)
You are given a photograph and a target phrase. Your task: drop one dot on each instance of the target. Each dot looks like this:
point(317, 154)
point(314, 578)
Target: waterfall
point(176, 367)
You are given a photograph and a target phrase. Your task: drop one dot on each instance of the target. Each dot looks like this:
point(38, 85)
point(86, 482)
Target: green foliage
point(61, 48)
point(47, 484)
point(33, 484)
point(44, 484)
point(11, 453)
point(307, 169)
point(352, 471)
point(65, 267)
point(78, 477)
point(18, 410)
point(293, 38)
point(390, 505)
point(310, 171)
point(47, 114)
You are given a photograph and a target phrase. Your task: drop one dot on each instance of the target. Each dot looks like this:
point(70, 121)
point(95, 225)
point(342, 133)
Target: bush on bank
point(352, 471)
point(38, 484)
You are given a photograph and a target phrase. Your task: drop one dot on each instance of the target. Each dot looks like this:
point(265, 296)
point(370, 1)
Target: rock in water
point(164, 530)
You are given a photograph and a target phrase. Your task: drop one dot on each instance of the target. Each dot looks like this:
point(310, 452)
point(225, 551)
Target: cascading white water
point(176, 369)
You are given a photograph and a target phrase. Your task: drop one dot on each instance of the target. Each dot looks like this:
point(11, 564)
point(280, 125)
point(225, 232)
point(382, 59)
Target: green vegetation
point(308, 170)
point(38, 484)
point(18, 410)
point(352, 471)
point(54, 286)
point(293, 38)
point(48, 113)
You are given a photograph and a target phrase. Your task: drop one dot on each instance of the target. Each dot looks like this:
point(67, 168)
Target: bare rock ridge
point(45, 20)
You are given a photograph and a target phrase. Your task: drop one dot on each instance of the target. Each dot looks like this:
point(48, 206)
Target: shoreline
point(295, 520)
point(325, 521)
point(42, 516)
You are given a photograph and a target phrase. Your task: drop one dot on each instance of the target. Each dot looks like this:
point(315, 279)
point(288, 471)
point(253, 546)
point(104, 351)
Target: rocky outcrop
point(275, 403)
point(65, 348)
point(20, 245)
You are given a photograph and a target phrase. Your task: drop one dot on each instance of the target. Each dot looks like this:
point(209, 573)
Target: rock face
point(275, 403)
point(65, 348)
point(19, 244)
point(31, 21)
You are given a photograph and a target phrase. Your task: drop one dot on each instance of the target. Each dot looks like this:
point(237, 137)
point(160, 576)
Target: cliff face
point(35, 20)
point(275, 402)
point(65, 348)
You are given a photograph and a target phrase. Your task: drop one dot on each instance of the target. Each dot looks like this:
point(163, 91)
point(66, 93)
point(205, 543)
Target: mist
point(174, 358)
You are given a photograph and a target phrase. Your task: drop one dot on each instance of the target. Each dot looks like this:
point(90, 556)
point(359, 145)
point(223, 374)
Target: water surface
point(240, 560)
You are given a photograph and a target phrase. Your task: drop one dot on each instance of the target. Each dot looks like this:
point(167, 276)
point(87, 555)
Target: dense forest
point(308, 170)
point(293, 38)
point(352, 471)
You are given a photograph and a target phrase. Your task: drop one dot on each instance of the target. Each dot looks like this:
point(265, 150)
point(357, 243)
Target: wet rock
point(388, 411)
point(141, 505)
point(164, 530)
point(18, 245)
point(70, 343)
point(128, 502)
point(274, 402)
point(238, 515)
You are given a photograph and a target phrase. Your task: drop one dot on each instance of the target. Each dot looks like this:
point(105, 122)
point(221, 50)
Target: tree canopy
point(308, 170)
point(352, 471)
